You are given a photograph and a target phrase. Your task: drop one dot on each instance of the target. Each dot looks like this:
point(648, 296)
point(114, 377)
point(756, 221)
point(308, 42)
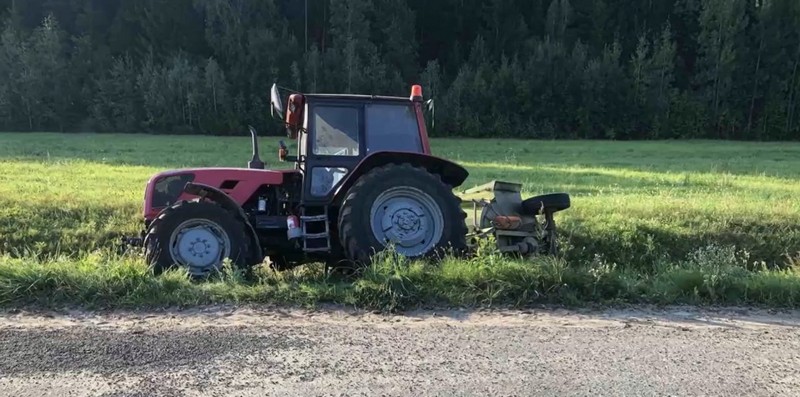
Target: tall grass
point(697, 222)
point(101, 280)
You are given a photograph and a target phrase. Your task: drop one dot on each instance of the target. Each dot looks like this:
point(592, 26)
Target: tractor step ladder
point(316, 240)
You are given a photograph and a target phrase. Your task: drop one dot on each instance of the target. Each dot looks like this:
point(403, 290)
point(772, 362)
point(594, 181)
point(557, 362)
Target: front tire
point(197, 236)
point(403, 206)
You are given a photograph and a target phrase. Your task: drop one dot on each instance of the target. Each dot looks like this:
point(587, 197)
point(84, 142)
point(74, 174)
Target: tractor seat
point(546, 203)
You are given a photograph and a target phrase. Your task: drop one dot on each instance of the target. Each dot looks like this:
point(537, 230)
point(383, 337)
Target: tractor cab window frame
point(302, 140)
point(392, 127)
point(336, 130)
point(326, 169)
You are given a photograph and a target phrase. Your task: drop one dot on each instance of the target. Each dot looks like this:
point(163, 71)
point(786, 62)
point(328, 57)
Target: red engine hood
point(239, 183)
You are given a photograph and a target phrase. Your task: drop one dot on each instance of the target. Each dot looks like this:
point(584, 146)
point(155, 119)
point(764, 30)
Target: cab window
point(392, 127)
point(336, 131)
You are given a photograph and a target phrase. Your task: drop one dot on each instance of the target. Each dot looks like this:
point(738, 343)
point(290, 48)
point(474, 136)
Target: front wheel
point(404, 207)
point(197, 236)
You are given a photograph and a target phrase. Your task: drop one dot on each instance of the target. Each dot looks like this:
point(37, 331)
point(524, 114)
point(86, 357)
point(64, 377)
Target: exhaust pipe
point(255, 162)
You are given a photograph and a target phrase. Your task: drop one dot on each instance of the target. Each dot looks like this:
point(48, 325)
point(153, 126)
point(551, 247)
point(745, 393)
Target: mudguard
point(450, 172)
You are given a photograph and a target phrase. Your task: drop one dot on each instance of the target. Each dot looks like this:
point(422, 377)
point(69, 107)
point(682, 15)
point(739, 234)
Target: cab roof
point(356, 98)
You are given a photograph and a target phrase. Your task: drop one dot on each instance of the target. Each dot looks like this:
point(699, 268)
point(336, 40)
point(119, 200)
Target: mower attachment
point(127, 243)
point(512, 221)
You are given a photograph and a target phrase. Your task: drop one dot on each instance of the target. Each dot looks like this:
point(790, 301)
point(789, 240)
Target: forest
point(548, 69)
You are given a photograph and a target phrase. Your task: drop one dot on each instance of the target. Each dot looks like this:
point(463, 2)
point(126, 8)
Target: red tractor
point(363, 179)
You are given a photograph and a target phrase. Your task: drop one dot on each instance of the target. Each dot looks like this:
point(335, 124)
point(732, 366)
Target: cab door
point(335, 146)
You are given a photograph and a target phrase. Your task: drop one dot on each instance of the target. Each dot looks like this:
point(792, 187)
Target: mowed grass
point(691, 221)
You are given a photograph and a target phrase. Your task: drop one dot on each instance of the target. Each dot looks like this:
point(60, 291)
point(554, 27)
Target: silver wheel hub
point(200, 245)
point(407, 218)
point(405, 222)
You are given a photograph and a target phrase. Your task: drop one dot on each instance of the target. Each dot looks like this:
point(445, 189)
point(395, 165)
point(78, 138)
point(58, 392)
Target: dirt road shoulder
point(270, 351)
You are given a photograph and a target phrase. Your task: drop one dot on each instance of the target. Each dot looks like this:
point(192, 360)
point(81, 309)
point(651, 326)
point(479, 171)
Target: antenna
point(305, 49)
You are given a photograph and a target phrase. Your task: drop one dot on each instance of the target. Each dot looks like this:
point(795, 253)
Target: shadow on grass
point(53, 229)
point(643, 247)
point(739, 158)
point(170, 151)
point(546, 178)
point(48, 230)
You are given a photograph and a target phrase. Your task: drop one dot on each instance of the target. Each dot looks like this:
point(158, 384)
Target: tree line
point(599, 69)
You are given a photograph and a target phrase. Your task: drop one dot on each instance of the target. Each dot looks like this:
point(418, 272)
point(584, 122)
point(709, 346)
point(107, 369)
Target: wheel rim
point(408, 218)
point(199, 245)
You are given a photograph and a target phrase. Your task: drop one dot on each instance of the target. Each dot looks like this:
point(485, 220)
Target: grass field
point(699, 221)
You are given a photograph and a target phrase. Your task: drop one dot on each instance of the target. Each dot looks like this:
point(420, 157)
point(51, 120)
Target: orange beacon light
point(416, 93)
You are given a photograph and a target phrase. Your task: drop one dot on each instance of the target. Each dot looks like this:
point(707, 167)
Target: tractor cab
point(336, 132)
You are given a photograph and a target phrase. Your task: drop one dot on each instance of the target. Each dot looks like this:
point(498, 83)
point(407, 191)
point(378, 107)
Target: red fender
point(450, 172)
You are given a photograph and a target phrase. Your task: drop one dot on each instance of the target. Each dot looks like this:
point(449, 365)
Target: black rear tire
point(355, 225)
point(159, 255)
point(549, 202)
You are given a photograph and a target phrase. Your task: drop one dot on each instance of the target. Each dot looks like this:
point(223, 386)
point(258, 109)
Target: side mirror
point(275, 102)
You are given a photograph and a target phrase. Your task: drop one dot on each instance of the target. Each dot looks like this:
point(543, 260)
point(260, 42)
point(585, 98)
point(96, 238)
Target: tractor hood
point(166, 188)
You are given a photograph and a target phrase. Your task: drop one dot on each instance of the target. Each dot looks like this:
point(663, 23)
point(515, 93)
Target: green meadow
point(666, 222)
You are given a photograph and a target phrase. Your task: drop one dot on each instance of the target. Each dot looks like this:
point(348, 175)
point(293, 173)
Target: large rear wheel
point(405, 207)
point(197, 236)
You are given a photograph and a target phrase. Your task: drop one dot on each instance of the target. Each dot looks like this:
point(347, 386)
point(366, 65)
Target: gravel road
point(225, 351)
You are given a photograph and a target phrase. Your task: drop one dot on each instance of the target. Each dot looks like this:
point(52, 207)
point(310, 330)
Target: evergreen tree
point(652, 70)
point(117, 104)
point(558, 17)
point(353, 58)
point(396, 30)
point(721, 23)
